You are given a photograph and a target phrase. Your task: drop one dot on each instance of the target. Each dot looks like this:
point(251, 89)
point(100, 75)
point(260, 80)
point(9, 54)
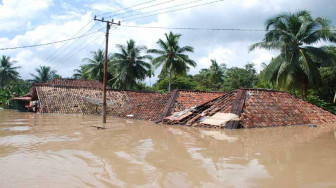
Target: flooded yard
point(51, 150)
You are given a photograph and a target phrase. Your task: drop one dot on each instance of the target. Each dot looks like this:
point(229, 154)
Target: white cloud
point(31, 58)
point(16, 13)
point(220, 54)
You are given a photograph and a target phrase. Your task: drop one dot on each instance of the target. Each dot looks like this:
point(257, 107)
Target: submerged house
point(250, 108)
point(242, 108)
point(77, 96)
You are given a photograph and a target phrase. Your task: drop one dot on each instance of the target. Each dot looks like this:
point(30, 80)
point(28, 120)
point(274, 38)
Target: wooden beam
point(237, 108)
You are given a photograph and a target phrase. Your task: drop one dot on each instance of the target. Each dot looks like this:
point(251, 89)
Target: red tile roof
point(76, 83)
point(187, 99)
point(260, 108)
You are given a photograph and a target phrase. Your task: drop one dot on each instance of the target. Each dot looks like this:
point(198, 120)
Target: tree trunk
point(170, 79)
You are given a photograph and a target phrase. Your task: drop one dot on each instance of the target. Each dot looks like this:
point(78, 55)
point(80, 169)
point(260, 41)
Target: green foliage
point(11, 89)
point(212, 78)
point(179, 82)
point(94, 69)
point(240, 77)
point(8, 72)
point(293, 34)
point(130, 65)
point(44, 74)
point(316, 100)
point(172, 57)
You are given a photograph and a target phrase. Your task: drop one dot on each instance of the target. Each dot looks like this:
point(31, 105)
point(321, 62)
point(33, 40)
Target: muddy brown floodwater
point(50, 150)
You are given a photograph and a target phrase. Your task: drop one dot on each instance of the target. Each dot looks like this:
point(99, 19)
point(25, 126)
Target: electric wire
point(165, 8)
point(70, 54)
point(126, 8)
point(203, 4)
point(191, 28)
point(65, 49)
point(205, 29)
point(81, 48)
point(134, 10)
point(59, 49)
point(49, 43)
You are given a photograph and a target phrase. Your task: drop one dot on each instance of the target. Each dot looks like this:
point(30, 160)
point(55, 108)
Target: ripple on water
point(70, 168)
point(29, 140)
point(17, 128)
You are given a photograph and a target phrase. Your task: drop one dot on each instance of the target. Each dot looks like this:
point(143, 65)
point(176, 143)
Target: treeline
point(301, 68)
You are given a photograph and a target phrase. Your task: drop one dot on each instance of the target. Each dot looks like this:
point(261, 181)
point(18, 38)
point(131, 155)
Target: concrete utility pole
point(108, 26)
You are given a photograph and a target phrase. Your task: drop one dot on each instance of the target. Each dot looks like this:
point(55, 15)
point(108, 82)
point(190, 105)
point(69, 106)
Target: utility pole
point(108, 26)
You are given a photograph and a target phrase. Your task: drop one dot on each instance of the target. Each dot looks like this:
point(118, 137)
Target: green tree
point(172, 57)
point(211, 78)
point(78, 74)
point(44, 74)
point(151, 73)
point(293, 34)
point(131, 65)
point(14, 88)
point(7, 71)
point(94, 69)
point(240, 77)
point(181, 82)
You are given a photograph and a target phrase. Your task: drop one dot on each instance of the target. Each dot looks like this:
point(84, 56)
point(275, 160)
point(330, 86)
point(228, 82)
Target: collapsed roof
point(254, 108)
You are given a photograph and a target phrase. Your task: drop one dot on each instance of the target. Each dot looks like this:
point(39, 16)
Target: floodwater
point(51, 150)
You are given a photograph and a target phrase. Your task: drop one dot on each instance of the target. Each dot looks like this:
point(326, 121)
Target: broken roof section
point(256, 108)
point(181, 100)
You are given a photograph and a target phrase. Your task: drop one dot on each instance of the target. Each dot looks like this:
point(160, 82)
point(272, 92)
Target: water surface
point(51, 150)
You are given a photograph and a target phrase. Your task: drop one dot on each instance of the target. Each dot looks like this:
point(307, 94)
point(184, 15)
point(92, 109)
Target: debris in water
point(98, 127)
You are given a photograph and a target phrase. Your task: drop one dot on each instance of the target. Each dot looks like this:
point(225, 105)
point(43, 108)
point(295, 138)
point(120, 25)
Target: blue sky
point(28, 22)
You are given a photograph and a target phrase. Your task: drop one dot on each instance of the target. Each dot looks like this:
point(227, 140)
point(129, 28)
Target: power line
point(70, 53)
point(126, 8)
point(175, 10)
point(165, 2)
point(65, 46)
point(190, 2)
point(65, 49)
point(52, 56)
point(68, 57)
point(49, 43)
point(206, 29)
point(191, 28)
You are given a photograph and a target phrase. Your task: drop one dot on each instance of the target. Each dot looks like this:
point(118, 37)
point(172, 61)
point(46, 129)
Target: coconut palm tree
point(78, 74)
point(151, 73)
point(172, 57)
point(44, 74)
point(293, 34)
point(216, 74)
point(7, 71)
point(131, 65)
point(95, 67)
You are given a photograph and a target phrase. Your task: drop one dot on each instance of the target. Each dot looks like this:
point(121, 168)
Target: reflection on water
point(49, 150)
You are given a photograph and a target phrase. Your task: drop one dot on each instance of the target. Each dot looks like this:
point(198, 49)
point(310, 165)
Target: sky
point(30, 22)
